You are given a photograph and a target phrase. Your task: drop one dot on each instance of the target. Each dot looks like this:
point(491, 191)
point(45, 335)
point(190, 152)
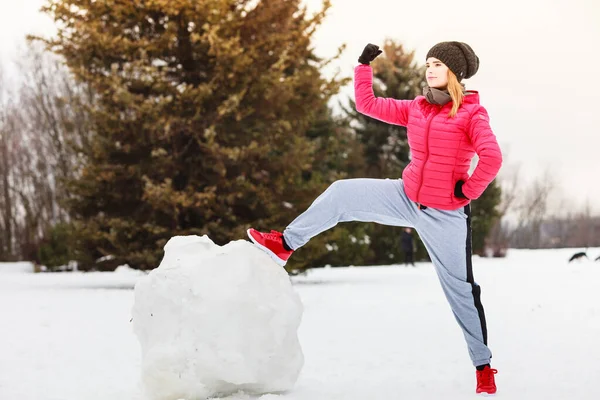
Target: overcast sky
point(539, 74)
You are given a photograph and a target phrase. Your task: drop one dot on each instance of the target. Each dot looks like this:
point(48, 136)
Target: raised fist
point(370, 52)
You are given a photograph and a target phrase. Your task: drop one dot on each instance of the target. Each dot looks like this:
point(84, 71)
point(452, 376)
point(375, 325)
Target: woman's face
point(436, 74)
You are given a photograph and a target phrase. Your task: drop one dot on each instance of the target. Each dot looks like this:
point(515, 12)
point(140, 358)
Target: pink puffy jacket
point(441, 147)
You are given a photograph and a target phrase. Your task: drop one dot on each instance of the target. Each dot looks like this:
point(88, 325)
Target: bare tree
point(523, 211)
point(500, 234)
point(583, 231)
point(7, 143)
point(559, 231)
point(43, 125)
point(55, 108)
point(532, 209)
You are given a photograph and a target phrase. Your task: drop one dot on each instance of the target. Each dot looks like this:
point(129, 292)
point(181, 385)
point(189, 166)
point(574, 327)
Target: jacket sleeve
point(387, 110)
point(486, 147)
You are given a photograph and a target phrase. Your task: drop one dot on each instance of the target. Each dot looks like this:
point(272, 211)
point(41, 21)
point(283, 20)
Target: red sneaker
point(485, 381)
point(272, 244)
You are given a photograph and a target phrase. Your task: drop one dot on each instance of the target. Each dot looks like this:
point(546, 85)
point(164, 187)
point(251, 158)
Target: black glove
point(370, 52)
point(458, 190)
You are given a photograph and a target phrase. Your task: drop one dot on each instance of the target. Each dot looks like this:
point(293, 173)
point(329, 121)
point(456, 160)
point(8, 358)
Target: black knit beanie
point(459, 57)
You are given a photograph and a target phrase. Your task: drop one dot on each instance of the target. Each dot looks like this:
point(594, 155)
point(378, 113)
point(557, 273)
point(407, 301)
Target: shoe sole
point(274, 257)
point(486, 394)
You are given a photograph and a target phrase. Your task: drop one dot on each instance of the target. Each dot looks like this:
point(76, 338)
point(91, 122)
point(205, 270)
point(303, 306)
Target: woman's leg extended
point(367, 200)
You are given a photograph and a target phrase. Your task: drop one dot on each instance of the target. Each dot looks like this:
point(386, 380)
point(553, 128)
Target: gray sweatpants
point(446, 235)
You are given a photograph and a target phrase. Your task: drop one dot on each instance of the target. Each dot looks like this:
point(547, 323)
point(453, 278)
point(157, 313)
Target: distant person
point(408, 246)
point(446, 127)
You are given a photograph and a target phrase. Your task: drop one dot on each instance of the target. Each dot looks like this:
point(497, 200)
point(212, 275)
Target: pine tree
point(202, 119)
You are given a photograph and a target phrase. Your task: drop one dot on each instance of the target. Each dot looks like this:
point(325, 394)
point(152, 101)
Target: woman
point(446, 127)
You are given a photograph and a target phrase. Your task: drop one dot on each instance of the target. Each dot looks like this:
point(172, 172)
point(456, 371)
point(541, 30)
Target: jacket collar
point(471, 97)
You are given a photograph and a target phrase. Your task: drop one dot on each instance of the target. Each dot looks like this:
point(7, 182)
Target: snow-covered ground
point(366, 333)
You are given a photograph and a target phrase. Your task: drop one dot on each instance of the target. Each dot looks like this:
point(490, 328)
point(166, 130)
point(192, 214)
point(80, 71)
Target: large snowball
point(215, 320)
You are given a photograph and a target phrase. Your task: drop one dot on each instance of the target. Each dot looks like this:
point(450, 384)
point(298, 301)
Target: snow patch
point(16, 268)
point(126, 270)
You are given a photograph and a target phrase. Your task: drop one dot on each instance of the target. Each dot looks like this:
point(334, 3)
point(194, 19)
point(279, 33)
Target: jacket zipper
point(439, 108)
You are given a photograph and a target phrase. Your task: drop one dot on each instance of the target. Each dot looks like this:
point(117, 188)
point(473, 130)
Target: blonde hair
point(456, 93)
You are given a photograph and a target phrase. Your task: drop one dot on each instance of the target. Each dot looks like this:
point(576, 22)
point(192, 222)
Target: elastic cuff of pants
point(286, 244)
point(481, 361)
point(289, 241)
